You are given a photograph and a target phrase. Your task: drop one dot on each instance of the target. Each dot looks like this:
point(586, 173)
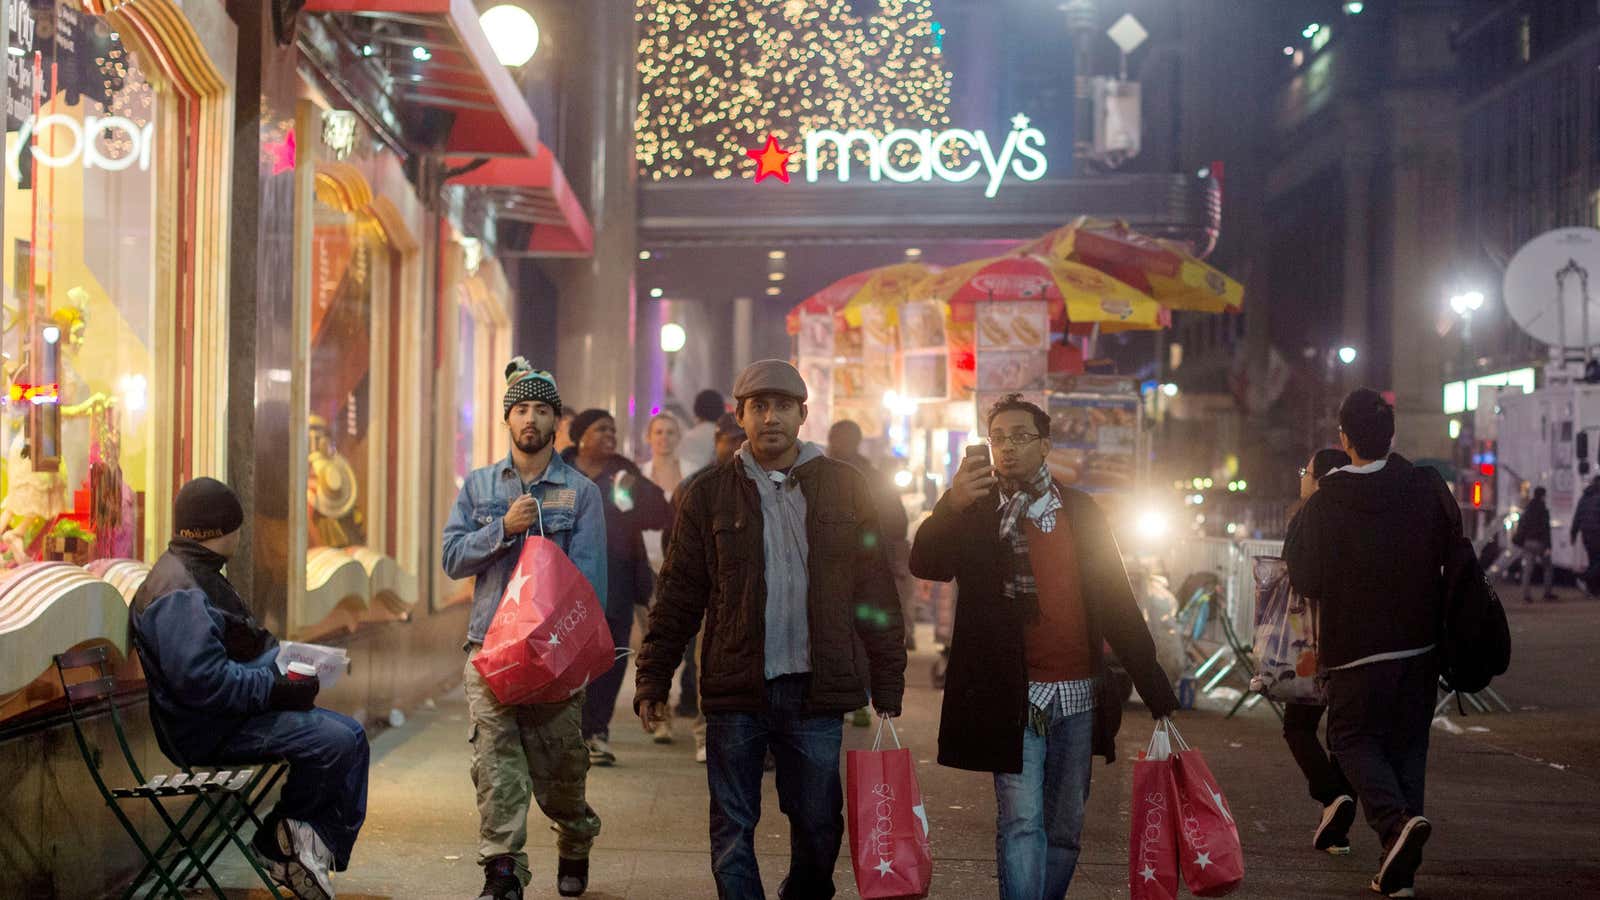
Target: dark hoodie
point(1586, 518)
point(1535, 524)
point(1370, 549)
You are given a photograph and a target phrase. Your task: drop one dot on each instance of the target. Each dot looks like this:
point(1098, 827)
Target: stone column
point(597, 318)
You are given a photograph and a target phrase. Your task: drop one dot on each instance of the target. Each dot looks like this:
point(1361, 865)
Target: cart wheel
point(936, 672)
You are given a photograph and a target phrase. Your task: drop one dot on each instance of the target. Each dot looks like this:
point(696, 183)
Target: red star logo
point(772, 160)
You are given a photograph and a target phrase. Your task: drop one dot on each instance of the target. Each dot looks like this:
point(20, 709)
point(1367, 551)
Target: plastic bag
point(888, 822)
point(1153, 832)
point(1209, 851)
point(1285, 643)
point(549, 637)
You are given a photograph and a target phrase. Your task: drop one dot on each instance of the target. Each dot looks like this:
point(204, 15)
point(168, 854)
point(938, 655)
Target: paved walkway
point(1514, 798)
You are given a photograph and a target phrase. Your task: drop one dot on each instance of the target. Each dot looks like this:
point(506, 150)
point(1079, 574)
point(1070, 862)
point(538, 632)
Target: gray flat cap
point(770, 376)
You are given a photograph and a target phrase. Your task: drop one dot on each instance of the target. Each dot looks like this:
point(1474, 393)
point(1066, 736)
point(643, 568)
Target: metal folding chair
point(1244, 659)
point(222, 800)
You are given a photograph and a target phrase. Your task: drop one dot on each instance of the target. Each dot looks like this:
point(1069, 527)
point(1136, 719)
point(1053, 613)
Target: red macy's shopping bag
point(888, 824)
point(1208, 839)
point(549, 637)
point(1153, 833)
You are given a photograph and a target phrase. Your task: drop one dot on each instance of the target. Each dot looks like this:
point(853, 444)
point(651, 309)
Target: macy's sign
point(1020, 156)
point(79, 144)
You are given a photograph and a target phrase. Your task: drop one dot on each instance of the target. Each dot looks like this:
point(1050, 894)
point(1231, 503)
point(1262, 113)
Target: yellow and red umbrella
point(1082, 295)
point(1164, 270)
point(885, 286)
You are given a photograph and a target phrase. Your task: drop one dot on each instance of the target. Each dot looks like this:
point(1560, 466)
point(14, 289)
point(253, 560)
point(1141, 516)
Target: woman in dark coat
point(633, 506)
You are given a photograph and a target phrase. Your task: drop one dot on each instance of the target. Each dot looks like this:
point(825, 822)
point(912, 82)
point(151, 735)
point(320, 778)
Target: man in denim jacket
point(529, 751)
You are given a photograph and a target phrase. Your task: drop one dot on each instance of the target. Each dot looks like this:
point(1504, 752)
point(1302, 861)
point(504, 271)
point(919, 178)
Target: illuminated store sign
point(71, 146)
point(1021, 155)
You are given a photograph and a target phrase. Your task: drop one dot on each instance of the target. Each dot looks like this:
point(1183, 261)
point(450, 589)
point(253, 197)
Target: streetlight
point(513, 34)
point(673, 337)
point(1466, 303)
point(1347, 355)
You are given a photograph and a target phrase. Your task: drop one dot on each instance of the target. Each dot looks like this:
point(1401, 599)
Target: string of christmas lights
point(717, 77)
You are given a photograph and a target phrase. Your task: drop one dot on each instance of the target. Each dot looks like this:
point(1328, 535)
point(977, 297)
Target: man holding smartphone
point(1042, 590)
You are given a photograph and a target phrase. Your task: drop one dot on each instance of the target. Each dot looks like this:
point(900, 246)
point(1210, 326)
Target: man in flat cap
point(778, 550)
point(218, 699)
point(535, 751)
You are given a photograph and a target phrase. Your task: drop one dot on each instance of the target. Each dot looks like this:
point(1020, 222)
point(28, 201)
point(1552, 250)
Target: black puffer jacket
point(629, 580)
point(715, 568)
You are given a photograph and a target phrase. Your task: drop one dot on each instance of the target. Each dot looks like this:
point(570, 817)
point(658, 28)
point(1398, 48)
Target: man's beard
point(538, 441)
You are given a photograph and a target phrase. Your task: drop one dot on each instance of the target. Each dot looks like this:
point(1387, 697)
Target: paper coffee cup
point(301, 671)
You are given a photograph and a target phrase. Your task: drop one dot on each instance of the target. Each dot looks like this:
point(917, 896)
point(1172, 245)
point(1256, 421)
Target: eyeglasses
point(1015, 440)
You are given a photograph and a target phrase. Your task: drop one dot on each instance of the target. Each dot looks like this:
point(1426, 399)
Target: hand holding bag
point(549, 637)
point(888, 822)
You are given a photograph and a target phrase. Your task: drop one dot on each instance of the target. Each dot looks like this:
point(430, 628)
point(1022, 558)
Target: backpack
point(1475, 640)
point(1476, 643)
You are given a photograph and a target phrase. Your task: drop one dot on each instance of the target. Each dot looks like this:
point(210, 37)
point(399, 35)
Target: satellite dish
point(1547, 291)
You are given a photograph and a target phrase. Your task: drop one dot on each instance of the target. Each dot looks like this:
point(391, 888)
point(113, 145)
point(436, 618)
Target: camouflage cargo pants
point(523, 753)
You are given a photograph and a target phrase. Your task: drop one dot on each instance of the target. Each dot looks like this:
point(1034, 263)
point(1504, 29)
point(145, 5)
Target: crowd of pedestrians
point(774, 574)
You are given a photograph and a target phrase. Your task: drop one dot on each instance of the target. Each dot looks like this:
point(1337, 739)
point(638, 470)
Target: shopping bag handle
point(1160, 746)
point(1177, 739)
point(882, 721)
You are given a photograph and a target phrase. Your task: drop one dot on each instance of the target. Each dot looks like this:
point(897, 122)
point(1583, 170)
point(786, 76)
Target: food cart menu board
point(1094, 440)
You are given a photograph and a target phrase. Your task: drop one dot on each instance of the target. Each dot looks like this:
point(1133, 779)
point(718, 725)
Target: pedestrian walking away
point(1586, 522)
point(699, 442)
point(633, 505)
point(1301, 721)
point(218, 698)
point(1370, 546)
point(535, 751)
point(1532, 538)
point(1042, 590)
point(777, 550)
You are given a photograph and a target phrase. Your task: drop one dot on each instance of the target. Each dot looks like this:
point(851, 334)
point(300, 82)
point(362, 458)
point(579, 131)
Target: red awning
point(532, 189)
point(437, 56)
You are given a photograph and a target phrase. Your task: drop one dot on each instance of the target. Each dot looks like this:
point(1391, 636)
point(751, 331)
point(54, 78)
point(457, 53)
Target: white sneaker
point(306, 871)
point(663, 732)
point(600, 752)
point(700, 755)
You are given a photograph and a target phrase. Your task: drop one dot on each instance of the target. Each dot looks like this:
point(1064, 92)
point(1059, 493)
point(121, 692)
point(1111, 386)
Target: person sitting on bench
point(218, 698)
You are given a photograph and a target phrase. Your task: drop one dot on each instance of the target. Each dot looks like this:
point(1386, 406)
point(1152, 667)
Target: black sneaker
point(572, 877)
point(500, 880)
point(1400, 864)
point(1333, 832)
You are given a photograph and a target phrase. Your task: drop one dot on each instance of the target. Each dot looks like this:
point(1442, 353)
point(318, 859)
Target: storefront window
point(351, 285)
point(468, 450)
point(83, 412)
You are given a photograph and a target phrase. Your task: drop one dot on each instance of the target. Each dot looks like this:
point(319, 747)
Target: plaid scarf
point(1038, 500)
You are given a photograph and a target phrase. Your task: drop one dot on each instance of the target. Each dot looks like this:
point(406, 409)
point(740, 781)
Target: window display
point(78, 420)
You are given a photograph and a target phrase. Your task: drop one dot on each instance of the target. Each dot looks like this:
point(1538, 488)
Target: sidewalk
point(1514, 805)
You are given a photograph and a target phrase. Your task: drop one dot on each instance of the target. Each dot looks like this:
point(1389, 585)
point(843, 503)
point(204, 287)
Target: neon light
point(142, 142)
point(1020, 156)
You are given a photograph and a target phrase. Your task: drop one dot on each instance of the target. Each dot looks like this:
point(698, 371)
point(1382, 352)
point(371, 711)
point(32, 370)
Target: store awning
point(437, 57)
point(532, 190)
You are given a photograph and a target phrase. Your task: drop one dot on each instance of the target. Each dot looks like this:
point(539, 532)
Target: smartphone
point(979, 452)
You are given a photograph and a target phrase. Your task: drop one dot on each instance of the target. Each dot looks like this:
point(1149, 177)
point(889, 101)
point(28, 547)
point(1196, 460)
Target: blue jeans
point(806, 748)
point(327, 782)
point(1040, 811)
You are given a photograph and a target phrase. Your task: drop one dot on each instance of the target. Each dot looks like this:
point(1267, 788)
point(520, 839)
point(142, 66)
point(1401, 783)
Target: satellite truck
point(1550, 437)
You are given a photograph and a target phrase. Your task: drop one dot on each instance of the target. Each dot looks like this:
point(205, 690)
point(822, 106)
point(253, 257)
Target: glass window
point(351, 286)
point(82, 422)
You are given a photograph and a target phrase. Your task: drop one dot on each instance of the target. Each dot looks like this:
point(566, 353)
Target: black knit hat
point(205, 509)
point(524, 383)
point(582, 422)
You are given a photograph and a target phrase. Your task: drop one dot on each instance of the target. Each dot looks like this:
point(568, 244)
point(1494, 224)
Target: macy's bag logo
point(1150, 842)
